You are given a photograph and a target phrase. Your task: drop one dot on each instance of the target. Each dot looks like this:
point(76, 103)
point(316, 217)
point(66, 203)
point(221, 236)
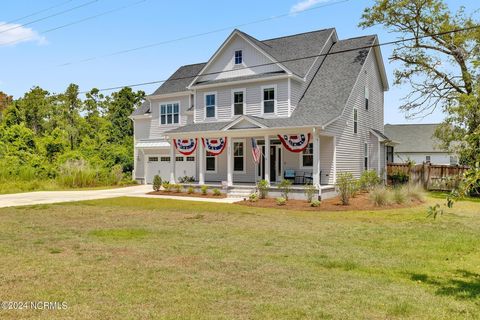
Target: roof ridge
point(359, 37)
point(412, 124)
point(296, 34)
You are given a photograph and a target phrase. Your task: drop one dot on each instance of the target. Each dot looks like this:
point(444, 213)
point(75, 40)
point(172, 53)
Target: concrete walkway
point(45, 197)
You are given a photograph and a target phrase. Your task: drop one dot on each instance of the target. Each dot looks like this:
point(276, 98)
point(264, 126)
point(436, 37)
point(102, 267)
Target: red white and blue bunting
point(185, 146)
point(295, 142)
point(214, 145)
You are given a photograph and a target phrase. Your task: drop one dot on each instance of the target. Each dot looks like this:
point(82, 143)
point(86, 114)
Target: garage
point(160, 165)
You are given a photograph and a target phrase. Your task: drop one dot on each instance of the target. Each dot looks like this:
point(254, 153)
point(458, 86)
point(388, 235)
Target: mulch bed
point(360, 202)
point(185, 194)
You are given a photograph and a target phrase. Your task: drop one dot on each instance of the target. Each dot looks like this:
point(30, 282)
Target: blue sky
point(38, 59)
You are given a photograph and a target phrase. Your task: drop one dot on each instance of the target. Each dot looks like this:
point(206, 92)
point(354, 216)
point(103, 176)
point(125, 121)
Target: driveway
point(45, 197)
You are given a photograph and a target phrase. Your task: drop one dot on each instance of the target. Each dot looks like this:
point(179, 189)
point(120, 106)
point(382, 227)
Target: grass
point(138, 258)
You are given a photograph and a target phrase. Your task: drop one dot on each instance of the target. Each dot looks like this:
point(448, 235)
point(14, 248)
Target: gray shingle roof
point(249, 77)
point(144, 108)
point(179, 81)
point(413, 137)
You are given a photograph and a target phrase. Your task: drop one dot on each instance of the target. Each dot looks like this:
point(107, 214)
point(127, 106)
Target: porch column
point(172, 162)
point(229, 162)
point(267, 159)
point(316, 159)
point(201, 163)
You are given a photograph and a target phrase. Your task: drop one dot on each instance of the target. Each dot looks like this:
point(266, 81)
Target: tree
point(71, 107)
point(5, 100)
point(35, 105)
point(120, 108)
point(440, 66)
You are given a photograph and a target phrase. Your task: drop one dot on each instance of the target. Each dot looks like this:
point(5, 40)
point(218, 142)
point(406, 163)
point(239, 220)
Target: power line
point(50, 16)
point(155, 44)
point(78, 21)
point(295, 59)
point(36, 12)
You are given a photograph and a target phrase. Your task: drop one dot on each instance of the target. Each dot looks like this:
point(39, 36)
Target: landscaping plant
point(345, 186)
point(381, 196)
point(368, 180)
point(315, 203)
point(178, 187)
point(262, 186)
point(204, 189)
point(190, 190)
point(157, 183)
point(285, 187)
point(216, 192)
point(166, 186)
point(253, 197)
point(281, 201)
point(310, 191)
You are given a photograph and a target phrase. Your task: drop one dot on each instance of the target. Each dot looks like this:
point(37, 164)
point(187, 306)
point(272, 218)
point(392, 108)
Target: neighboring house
point(311, 83)
point(416, 142)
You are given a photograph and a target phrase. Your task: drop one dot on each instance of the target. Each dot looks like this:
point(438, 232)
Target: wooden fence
point(431, 176)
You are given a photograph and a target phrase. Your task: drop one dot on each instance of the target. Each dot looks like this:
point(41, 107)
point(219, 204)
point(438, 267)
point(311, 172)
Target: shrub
point(78, 174)
point(369, 180)
point(399, 196)
point(310, 192)
point(186, 179)
point(253, 197)
point(204, 189)
point(166, 186)
point(281, 201)
point(116, 174)
point(398, 177)
point(190, 190)
point(216, 192)
point(415, 192)
point(262, 186)
point(178, 188)
point(315, 203)
point(346, 185)
point(285, 187)
point(157, 183)
point(381, 196)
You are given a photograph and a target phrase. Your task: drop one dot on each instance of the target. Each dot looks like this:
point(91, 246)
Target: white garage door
point(160, 165)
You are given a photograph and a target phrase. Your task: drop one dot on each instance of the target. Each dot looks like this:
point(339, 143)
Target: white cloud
point(304, 5)
point(11, 34)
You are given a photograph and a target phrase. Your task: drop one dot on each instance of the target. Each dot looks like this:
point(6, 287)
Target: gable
point(243, 122)
point(223, 60)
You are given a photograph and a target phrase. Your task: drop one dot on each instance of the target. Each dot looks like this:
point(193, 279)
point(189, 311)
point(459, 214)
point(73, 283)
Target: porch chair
point(289, 174)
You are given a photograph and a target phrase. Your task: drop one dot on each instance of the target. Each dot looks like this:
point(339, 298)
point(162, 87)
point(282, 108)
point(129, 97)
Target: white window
point(169, 113)
point(239, 156)
point(269, 100)
point(210, 162)
point(427, 158)
point(238, 97)
point(307, 156)
point(365, 156)
point(152, 159)
point(238, 57)
point(210, 105)
point(355, 120)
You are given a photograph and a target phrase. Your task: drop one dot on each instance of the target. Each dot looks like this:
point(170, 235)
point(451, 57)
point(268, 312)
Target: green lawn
point(134, 258)
point(15, 186)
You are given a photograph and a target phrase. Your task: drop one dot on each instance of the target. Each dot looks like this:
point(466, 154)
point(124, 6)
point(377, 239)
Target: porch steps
point(240, 191)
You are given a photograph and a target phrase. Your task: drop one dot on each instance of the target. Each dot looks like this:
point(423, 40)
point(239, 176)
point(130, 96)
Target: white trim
point(244, 141)
point(235, 50)
point(237, 82)
point(289, 92)
point(224, 44)
point(216, 164)
point(301, 154)
point(275, 92)
point(355, 130)
point(205, 94)
point(168, 95)
point(173, 124)
point(233, 91)
point(141, 116)
point(240, 119)
point(195, 106)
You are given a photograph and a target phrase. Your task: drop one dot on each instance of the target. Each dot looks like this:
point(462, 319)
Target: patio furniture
point(289, 174)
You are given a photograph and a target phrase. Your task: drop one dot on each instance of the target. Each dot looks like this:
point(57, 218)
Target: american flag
point(255, 151)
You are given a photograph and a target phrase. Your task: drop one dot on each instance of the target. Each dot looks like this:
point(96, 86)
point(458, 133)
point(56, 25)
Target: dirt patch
point(360, 202)
point(185, 194)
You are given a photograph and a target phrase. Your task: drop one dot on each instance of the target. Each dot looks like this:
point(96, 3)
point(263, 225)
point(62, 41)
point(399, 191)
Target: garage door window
point(165, 159)
point(211, 162)
point(190, 158)
point(152, 159)
point(179, 158)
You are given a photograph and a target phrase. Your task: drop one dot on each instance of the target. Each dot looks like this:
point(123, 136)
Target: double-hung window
point(169, 113)
point(355, 120)
point(307, 156)
point(238, 156)
point(365, 156)
point(210, 162)
point(210, 105)
point(269, 100)
point(238, 57)
point(238, 102)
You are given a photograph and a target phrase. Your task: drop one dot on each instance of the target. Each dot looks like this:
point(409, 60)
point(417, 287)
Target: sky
point(88, 42)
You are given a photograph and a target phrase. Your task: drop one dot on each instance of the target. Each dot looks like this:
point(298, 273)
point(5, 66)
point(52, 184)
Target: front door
point(275, 163)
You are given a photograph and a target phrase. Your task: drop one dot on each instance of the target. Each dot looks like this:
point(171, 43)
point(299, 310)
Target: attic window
point(238, 57)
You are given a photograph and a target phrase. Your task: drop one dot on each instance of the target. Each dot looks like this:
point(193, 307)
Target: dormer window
point(238, 57)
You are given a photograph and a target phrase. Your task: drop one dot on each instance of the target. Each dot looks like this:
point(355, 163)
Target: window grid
point(238, 156)
point(210, 162)
point(169, 113)
point(307, 156)
point(238, 101)
point(238, 57)
point(269, 100)
point(210, 103)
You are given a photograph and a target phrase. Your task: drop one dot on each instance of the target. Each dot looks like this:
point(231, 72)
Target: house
point(310, 102)
point(416, 142)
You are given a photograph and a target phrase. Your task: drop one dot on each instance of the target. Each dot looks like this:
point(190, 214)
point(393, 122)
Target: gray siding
point(350, 146)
